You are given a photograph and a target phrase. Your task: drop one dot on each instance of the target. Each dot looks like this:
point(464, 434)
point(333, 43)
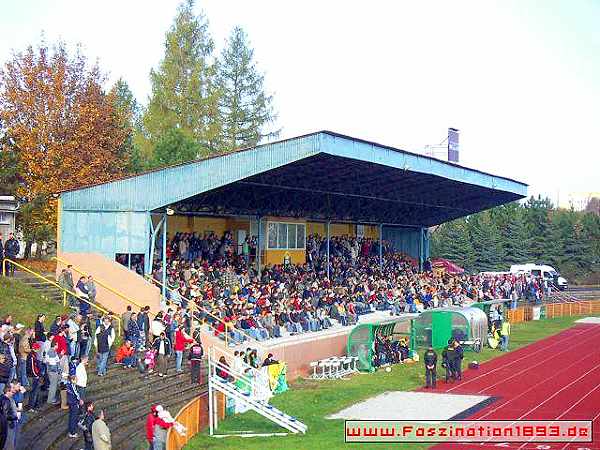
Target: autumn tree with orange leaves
point(63, 130)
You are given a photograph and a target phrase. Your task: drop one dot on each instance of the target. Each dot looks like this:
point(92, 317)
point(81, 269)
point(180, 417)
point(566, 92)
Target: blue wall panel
point(403, 239)
point(106, 233)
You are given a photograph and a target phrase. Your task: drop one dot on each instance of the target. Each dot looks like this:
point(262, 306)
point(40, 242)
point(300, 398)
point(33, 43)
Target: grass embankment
point(311, 401)
point(24, 303)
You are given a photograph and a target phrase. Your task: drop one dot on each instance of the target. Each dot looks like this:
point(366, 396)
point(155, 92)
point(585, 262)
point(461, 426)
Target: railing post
point(64, 299)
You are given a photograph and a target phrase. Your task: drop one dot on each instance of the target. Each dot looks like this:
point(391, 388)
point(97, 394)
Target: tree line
point(62, 126)
point(517, 233)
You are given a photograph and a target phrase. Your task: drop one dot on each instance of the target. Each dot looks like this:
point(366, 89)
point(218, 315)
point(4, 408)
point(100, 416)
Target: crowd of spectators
point(288, 299)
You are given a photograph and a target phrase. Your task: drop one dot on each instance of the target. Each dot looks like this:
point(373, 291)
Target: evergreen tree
point(538, 226)
point(130, 118)
point(184, 93)
point(174, 147)
point(246, 110)
point(451, 241)
point(577, 256)
point(486, 242)
point(515, 238)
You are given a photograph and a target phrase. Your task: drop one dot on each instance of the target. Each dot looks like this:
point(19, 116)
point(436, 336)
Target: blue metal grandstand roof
point(323, 175)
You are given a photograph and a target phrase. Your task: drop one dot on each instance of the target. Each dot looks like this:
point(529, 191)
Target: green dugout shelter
point(361, 341)
point(434, 327)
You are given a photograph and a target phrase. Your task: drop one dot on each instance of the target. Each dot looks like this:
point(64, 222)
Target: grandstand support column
point(421, 250)
point(380, 245)
point(164, 255)
point(328, 238)
point(258, 246)
point(155, 230)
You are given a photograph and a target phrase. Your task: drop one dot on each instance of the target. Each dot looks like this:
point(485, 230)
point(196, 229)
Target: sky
point(519, 78)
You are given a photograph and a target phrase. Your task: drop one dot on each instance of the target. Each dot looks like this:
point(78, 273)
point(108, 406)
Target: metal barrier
point(194, 417)
point(552, 310)
point(65, 292)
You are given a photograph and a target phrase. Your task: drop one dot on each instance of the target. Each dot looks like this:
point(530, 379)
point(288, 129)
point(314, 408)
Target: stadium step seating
point(126, 398)
point(46, 289)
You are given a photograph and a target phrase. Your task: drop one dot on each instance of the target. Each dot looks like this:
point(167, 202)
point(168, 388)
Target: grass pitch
point(311, 401)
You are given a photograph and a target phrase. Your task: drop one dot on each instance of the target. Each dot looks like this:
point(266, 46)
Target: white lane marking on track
point(546, 347)
point(552, 396)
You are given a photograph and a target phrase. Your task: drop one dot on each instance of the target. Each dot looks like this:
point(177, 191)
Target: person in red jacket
point(61, 342)
point(125, 355)
point(181, 340)
point(153, 420)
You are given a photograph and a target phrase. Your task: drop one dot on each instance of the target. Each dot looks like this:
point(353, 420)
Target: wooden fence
point(193, 416)
point(525, 313)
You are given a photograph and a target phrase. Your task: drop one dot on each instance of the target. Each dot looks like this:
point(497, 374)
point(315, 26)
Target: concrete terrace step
point(103, 394)
point(126, 421)
point(125, 396)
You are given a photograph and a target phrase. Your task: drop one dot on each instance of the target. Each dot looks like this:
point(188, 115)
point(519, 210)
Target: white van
point(549, 273)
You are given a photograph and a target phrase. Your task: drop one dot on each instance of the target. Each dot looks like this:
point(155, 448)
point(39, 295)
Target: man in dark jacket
point(11, 250)
point(458, 357)
point(448, 356)
point(6, 360)
point(430, 361)
point(85, 425)
point(162, 345)
point(195, 358)
point(74, 401)
point(8, 417)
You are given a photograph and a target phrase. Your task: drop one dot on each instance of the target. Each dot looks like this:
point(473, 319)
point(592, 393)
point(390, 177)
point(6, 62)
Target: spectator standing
point(162, 346)
point(74, 401)
point(85, 425)
point(39, 331)
point(181, 340)
point(11, 250)
point(105, 336)
point(18, 398)
point(195, 358)
point(8, 418)
point(126, 317)
point(91, 288)
point(52, 362)
point(34, 371)
point(81, 377)
point(24, 352)
point(101, 434)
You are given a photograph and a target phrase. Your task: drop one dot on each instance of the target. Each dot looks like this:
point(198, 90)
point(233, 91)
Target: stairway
point(46, 289)
point(125, 397)
point(262, 407)
point(254, 396)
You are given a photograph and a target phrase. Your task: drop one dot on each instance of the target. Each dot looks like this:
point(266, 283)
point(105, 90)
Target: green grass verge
point(311, 401)
point(24, 303)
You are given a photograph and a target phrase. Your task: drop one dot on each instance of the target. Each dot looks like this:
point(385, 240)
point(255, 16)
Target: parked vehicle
point(548, 273)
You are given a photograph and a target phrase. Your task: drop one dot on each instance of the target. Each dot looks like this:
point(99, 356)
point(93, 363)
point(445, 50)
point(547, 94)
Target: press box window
point(286, 236)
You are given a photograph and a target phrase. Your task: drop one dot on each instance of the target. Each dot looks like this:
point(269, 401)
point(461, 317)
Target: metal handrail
point(152, 280)
point(64, 291)
point(101, 283)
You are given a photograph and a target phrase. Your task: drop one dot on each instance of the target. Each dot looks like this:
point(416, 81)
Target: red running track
point(555, 378)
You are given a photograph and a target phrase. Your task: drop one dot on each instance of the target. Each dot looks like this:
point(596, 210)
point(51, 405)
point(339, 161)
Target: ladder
point(252, 395)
